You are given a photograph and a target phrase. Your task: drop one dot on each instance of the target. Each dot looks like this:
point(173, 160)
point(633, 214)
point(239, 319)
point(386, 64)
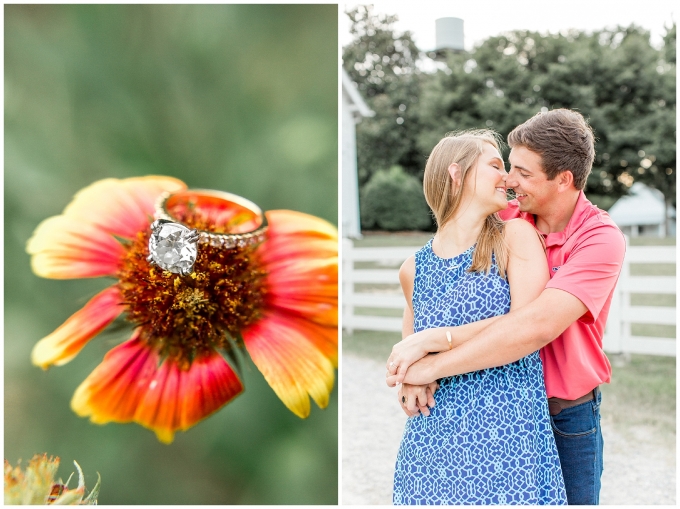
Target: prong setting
point(157, 223)
point(193, 236)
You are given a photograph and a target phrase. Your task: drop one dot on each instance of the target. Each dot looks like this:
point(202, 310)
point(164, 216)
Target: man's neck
point(557, 217)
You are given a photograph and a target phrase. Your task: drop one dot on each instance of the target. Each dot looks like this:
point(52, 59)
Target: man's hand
point(415, 399)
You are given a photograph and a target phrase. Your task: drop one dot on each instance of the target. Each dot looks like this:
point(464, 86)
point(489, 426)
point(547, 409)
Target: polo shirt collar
point(581, 213)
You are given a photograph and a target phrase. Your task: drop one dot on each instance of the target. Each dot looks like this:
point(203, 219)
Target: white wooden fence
point(622, 314)
point(618, 337)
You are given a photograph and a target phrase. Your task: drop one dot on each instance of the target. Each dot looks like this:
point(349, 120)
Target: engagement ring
point(173, 245)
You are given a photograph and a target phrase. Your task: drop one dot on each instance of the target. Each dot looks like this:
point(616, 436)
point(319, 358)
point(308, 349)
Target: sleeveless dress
point(488, 440)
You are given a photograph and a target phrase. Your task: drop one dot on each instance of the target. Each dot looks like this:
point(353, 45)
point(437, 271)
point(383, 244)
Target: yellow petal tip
point(165, 436)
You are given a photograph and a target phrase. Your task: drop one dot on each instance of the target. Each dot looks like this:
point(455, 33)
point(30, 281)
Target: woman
point(486, 438)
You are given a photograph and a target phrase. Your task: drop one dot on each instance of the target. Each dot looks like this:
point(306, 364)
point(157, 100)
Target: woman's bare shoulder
point(518, 231)
point(407, 276)
point(407, 271)
point(524, 241)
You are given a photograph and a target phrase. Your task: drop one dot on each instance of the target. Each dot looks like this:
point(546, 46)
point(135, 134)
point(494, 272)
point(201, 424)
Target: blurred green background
point(231, 97)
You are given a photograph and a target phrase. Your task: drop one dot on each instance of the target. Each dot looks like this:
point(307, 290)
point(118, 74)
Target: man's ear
point(565, 180)
point(456, 175)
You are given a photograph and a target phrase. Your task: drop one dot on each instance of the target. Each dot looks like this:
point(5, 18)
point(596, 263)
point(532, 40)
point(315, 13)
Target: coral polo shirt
point(585, 260)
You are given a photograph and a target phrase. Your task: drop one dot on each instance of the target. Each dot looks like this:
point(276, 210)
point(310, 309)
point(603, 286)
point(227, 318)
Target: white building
point(353, 110)
point(642, 213)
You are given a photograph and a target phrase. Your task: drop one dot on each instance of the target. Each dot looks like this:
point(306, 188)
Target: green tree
point(383, 64)
point(657, 156)
point(623, 85)
point(393, 200)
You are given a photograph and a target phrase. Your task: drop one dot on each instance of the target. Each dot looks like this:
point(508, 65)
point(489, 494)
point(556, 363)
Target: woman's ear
point(456, 175)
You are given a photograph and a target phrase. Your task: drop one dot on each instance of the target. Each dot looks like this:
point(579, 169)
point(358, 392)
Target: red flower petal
point(64, 343)
point(301, 259)
point(113, 390)
point(306, 287)
point(294, 368)
point(289, 222)
point(65, 248)
point(285, 247)
point(325, 338)
point(214, 210)
point(121, 207)
point(80, 242)
point(130, 385)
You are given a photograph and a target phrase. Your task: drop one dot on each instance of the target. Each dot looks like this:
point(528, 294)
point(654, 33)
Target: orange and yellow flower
point(278, 300)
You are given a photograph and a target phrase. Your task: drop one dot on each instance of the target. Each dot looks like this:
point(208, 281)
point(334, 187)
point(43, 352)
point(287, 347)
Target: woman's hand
point(422, 372)
point(415, 399)
point(409, 350)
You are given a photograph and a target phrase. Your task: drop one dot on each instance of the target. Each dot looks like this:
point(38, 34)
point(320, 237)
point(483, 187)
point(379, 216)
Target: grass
point(398, 313)
point(377, 288)
point(642, 393)
point(652, 241)
point(652, 269)
point(393, 239)
point(652, 299)
point(371, 344)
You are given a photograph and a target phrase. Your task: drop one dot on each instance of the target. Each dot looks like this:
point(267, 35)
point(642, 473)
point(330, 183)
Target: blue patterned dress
point(488, 440)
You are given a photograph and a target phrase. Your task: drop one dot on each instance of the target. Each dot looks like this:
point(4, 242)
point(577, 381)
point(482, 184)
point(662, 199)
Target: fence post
point(614, 329)
point(347, 285)
point(625, 303)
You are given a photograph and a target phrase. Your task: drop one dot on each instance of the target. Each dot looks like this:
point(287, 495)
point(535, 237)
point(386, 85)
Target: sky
point(486, 18)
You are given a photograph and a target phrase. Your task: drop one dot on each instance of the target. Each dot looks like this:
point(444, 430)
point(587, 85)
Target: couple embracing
point(513, 298)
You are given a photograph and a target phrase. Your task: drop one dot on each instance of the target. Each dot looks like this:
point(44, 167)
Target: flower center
point(183, 316)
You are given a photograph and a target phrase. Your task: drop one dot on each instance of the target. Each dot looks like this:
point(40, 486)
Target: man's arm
point(508, 339)
point(527, 272)
point(527, 276)
point(578, 291)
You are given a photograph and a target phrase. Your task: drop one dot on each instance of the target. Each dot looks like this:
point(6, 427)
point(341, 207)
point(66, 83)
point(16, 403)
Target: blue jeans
point(579, 444)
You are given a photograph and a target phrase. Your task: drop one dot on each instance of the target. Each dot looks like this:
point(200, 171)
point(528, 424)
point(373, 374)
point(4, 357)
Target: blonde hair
point(443, 197)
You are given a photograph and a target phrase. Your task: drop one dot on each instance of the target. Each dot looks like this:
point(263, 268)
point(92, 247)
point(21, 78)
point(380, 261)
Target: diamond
point(172, 247)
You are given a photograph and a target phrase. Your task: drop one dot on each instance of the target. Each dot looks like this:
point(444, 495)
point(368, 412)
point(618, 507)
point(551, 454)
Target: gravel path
point(638, 468)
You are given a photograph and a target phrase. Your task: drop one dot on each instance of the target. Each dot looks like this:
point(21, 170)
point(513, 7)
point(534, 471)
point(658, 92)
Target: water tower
point(448, 36)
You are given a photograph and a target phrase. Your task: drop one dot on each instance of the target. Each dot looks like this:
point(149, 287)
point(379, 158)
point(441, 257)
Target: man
point(551, 156)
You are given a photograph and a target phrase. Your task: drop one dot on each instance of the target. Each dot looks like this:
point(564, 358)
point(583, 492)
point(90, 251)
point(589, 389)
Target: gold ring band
point(173, 245)
point(241, 205)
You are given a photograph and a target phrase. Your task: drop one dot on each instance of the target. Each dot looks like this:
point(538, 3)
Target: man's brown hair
point(563, 139)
